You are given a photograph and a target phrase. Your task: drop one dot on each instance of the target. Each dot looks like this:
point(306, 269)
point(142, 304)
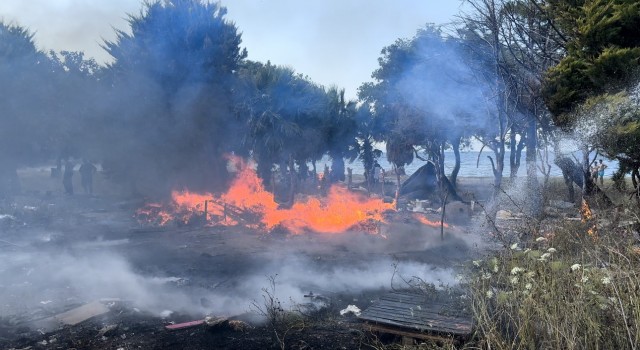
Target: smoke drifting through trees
point(180, 94)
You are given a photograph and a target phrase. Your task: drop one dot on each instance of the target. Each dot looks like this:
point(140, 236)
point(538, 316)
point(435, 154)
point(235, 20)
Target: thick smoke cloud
point(52, 277)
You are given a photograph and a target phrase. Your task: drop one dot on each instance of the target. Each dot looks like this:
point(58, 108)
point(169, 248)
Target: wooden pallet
point(412, 315)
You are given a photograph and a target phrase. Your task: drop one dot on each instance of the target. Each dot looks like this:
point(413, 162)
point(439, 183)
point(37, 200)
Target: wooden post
point(206, 211)
point(349, 177)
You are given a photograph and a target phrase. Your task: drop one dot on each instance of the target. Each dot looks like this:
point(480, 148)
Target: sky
point(334, 42)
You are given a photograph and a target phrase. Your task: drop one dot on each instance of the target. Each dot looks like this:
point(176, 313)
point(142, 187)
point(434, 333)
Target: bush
point(565, 291)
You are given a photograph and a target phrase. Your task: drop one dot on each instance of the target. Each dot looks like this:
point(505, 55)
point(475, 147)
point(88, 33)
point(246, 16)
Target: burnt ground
point(60, 252)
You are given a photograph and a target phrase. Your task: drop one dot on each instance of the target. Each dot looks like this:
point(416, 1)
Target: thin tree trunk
point(456, 167)
point(515, 155)
point(533, 206)
point(588, 185)
point(395, 168)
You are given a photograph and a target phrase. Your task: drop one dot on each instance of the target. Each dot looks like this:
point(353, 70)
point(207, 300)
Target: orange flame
point(423, 220)
point(587, 216)
point(248, 201)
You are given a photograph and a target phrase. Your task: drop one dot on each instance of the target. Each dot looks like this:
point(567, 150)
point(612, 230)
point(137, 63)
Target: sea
point(469, 165)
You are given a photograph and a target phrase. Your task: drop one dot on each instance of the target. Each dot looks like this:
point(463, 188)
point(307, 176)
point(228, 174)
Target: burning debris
point(588, 218)
point(247, 203)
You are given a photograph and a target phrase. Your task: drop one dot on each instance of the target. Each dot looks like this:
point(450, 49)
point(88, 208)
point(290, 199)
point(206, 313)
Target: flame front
point(423, 220)
point(248, 203)
point(587, 217)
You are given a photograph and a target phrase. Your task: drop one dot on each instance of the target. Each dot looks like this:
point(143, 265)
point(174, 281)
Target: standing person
point(594, 172)
point(375, 172)
point(601, 168)
point(67, 177)
point(86, 174)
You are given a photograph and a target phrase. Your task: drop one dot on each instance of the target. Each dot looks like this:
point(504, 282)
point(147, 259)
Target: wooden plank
point(457, 323)
point(417, 314)
point(414, 312)
point(420, 322)
point(421, 328)
point(416, 317)
point(425, 323)
point(82, 313)
point(378, 328)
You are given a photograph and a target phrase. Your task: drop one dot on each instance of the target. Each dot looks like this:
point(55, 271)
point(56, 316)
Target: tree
point(171, 108)
point(416, 95)
point(618, 132)
point(25, 82)
point(77, 98)
point(532, 45)
point(603, 57)
point(482, 32)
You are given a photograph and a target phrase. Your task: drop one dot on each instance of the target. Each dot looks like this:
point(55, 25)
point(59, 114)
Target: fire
point(248, 203)
point(423, 220)
point(587, 216)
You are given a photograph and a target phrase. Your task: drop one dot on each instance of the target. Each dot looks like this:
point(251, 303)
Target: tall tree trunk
point(395, 168)
point(456, 168)
point(533, 206)
point(292, 180)
point(588, 185)
point(498, 168)
point(515, 155)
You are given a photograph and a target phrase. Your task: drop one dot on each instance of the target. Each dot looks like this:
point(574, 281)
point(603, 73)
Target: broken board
point(411, 314)
point(82, 313)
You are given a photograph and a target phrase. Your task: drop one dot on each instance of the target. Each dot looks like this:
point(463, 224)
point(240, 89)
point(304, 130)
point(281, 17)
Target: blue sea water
point(468, 166)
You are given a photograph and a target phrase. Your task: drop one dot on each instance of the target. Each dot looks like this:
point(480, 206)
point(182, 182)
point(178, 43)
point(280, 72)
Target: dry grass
point(568, 290)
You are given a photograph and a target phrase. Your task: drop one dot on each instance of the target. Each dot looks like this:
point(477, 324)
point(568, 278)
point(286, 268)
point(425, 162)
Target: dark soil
point(194, 261)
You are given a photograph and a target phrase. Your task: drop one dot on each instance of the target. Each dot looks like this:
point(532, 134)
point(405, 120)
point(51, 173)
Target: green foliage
point(416, 94)
point(618, 120)
point(28, 109)
point(171, 118)
point(290, 117)
point(603, 53)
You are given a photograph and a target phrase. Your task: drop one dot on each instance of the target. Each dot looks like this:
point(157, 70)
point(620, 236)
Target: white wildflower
point(530, 274)
point(575, 267)
point(459, 277)
point(544, 257)
point(514, 246)
point(593, 292)
point(528, 286)
point(603, 306)
point(551, 250)
point(495, 268)
point(527, 250)
point(476, 263)
point(514, 279)
point(606, 280)
point(584, 279)
point(489, 294)
point(516, 270)
point(541, 239)
point(486, 276)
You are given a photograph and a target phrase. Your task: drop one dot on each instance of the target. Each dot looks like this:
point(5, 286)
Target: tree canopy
point(172, 81)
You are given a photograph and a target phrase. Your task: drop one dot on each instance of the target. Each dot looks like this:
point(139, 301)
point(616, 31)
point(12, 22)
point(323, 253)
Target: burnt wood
point(413, 313)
